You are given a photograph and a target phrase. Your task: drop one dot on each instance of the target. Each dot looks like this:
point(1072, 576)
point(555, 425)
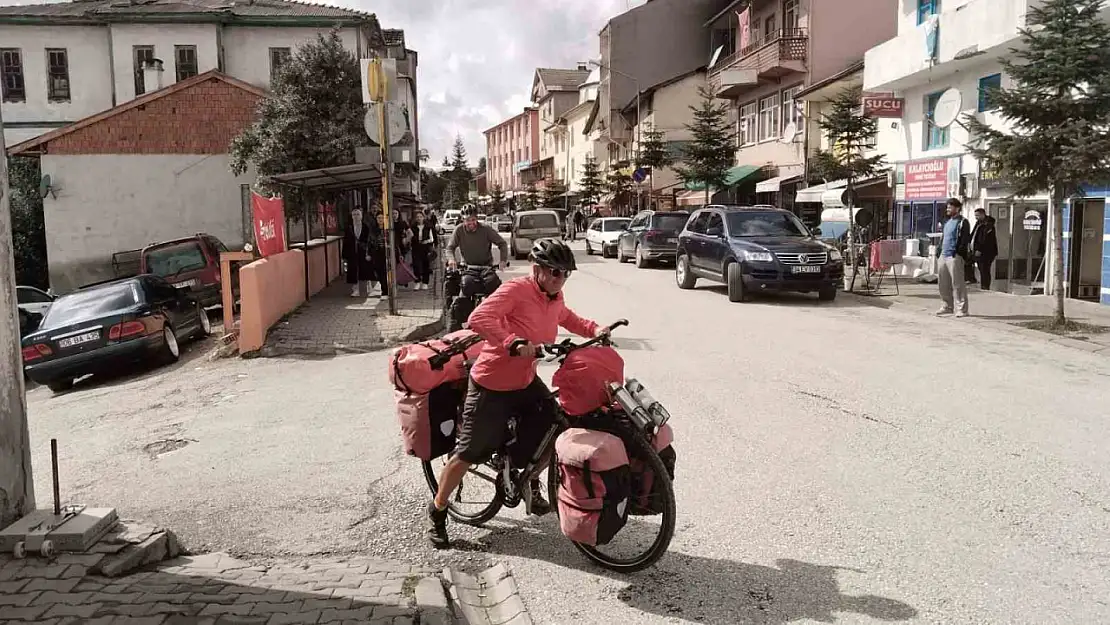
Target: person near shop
point(953, 252)
point(579, 223)
point(423, 239)
point(984, 248)
point(356, 253)
point(378, 254)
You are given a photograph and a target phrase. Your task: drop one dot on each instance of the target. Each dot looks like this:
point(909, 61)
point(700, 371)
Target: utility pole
point(380, 93)
point(17, 489)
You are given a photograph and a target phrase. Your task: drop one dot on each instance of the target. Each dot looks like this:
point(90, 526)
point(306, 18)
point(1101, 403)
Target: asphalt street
point(836, 463)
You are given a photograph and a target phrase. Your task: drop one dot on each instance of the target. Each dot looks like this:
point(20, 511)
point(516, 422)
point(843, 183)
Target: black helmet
point(469, 211)
point(553, 254)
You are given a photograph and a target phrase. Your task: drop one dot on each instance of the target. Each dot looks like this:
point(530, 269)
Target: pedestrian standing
point(953, 257)
point(356, 251)
point(984, 247)
point(377, 254)
point(423, 246)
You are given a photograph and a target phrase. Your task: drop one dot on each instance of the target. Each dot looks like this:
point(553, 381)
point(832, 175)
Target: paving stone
point(139, 620)
point(429, 592)
point(86, 610)
point(361, 614)
point(276, 608)
point(506, 610)
point(13, 586)
point(127, 609)
point(25, 613)
point(300, 618)
point(217, 609)
point(68, 598)
point(19, 599)
point(390, 611)
point(207, 597)
point(55, 585)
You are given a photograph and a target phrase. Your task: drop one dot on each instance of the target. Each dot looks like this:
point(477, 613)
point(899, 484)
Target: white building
point(568, 144)
point(946, 56)
point(60, 63)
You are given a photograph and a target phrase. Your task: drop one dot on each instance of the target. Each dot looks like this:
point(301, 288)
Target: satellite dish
point(948, 107)
point(44, 186)
point(789, 133)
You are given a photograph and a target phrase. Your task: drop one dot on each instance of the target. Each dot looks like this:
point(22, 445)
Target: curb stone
point(490, 598)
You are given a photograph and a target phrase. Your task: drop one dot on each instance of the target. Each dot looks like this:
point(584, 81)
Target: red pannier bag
point(594, 485)
point(583, 379)
point(646, 498)
point(428, 419)
point(410, 369)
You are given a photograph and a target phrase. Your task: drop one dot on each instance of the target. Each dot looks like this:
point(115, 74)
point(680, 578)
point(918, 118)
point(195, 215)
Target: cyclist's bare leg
point(449, 479)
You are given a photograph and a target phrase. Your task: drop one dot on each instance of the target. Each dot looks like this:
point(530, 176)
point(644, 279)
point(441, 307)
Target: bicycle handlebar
point(556, 350)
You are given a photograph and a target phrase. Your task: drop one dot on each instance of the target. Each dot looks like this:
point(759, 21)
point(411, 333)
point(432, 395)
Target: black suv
point(651, 236)
point(754, 249)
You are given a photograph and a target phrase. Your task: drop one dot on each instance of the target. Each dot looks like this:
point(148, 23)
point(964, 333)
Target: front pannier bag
point(594, 485)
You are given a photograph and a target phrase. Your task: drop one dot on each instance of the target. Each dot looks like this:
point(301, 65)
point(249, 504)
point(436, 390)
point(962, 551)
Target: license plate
point(672, 239)
point(806, 269)
point(73, 341)
point(188, 283)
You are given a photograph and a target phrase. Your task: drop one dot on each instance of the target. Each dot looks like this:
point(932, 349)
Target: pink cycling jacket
point(519, 309)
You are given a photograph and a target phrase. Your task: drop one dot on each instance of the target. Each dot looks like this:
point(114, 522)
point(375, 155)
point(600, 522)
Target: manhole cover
point(157, 448)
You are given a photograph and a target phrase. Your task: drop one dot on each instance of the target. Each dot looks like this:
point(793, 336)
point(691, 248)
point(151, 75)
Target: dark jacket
point(355, 251)
point(984, 240)
point(423, 240)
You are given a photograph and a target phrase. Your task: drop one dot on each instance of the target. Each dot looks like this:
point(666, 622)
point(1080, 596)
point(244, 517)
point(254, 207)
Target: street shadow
point(676, 587)
point(191, 352)
point(805, 300)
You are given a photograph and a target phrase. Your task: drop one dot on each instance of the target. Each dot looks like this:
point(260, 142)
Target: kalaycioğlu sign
point(927, 180)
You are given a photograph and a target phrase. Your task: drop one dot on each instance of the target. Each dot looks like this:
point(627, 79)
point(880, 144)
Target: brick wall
point(200, 119)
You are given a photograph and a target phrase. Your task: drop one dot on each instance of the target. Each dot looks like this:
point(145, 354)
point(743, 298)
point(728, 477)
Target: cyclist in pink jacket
point(504, 385)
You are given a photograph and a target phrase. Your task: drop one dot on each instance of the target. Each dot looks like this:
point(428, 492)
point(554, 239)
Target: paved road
point(841, 463)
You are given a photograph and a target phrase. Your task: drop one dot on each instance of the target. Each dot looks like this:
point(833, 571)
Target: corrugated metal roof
point(567, 79)
point(244, 8)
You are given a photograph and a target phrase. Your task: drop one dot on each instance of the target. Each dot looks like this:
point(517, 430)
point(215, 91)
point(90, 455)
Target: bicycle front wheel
point(479, 496)
point(644, 539)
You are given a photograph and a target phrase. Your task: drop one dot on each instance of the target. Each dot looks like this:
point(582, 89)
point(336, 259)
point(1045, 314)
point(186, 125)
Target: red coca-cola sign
point(883, 105)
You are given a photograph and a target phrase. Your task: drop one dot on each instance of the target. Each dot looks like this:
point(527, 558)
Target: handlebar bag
point(410, 369)
point(452, 282)
point(594, 485)
point(584, 377)
point(428, 419)
point(480, 282)
point(646, 497)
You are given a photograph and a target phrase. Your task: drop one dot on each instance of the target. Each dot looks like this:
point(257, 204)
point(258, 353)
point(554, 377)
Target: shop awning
point(341, 178)
point(735, 176)
point(690, 198)
point(772, 185)
point(813, 194)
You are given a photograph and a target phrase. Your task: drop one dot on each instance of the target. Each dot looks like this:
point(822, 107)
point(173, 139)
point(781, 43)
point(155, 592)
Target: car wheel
point(682, 274)
point(205, 322)
point(735, 281)
point(641, 262)
point(827, 293)
point(620, 254)
point(589, 250)
point(171, 350)
point(60, 386)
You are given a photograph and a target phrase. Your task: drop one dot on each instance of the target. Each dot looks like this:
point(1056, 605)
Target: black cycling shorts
point(485, 419)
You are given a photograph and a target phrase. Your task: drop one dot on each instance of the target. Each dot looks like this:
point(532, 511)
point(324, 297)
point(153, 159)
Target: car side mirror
point(716, 232)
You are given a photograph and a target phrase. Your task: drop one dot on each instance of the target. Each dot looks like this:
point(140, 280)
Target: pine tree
point(1058, 106)
point(531, 196)
point(553, 191)
point(708, 157)
point(654, 154)
point(591, 183)
point(619, 185)
point(482, 165)
point(849, 133)
point(459, 175)
point(497, 199)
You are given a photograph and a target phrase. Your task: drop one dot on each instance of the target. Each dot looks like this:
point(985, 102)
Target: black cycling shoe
point(437, 527)
point(540, 506)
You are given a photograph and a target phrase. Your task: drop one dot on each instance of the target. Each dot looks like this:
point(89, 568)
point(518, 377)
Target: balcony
point(784, 52)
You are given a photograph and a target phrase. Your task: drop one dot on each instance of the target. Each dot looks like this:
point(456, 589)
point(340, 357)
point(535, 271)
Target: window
point(143, 55)
point(11, 75)
point(715, 224)
point(697, 224)
point(790, 16)
point(934, 137)
point(765, 224)
point(186, 61)
point(769, 118)
point(572, 170)
point(987, 84)
point(791, 110)
point(572, 139)
point(176, 258)
point(57, 75)
point(30, 295)
point(769, 28)
point(278, 58)
point(927, 9)
point(748, 114)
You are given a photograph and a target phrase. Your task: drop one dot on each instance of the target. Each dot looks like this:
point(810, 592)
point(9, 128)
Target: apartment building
point(511, 146)
point(761, 54)
point(60, 63)
point(554, 92)
point(568, 142)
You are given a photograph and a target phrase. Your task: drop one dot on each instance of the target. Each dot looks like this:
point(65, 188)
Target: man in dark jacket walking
point(953, 254)
point(356, 251)
point(984, 248)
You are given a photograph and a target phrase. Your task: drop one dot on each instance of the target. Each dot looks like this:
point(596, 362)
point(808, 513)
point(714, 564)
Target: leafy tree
point(434, 185)
point(849, 132)
point(531, 196)
point(482, 165)
point(591, 184)
point(497, 199)
point(553, 191)
point(619, 184)
point(709, 155)
point(28, 225)
point(654, 154)
point(1058, 108)
point(312, 117)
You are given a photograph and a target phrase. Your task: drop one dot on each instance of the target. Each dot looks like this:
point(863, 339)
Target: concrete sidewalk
point(1001, 309)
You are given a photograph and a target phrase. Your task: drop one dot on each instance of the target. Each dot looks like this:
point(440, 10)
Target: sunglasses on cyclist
point(559, 273)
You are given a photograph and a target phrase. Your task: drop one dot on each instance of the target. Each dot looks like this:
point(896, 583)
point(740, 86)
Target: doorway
point(1085, 254)
point(1003, 231)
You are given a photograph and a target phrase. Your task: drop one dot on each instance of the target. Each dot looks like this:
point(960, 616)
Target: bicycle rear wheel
point(479, 496)
point(660, 526)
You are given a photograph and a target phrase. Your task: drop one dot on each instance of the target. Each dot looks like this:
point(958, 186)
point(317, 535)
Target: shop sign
point(1032, 219)
point(990, 177)
point(883, 105)
point(927, 180)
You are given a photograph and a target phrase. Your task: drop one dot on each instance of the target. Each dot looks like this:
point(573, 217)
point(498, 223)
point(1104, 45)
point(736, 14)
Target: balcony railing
point(765, 57)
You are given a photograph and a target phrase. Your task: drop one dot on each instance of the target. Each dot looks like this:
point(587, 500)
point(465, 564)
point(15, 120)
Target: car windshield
point(671, 222)
point(94, 303)
point(613, 225)
point(765, 224)
point(832, 229)
point(533, 222)
point(174, 259)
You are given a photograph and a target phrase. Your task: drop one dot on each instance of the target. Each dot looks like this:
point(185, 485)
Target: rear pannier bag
point(646, 496)
point(428, 420)
point(594, 485)
point(410, 369)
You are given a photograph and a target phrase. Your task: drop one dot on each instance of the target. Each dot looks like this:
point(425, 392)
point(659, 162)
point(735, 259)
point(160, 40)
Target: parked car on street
point(451, 219)
point(33, 300)
point(651, 236)
point(752, 250)
point(503, 223)
point(190, 261)
point(529, 226)
point(98, 327)
point(602, 234)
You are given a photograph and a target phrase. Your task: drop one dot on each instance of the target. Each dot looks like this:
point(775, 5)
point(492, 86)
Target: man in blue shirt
point(953, 258)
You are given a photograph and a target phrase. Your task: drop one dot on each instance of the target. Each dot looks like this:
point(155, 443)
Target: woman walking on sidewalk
point(423, 242)
point(356, 251)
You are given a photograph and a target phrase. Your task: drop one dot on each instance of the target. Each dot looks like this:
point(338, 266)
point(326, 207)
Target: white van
point(531, 225)
point(451, 219)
